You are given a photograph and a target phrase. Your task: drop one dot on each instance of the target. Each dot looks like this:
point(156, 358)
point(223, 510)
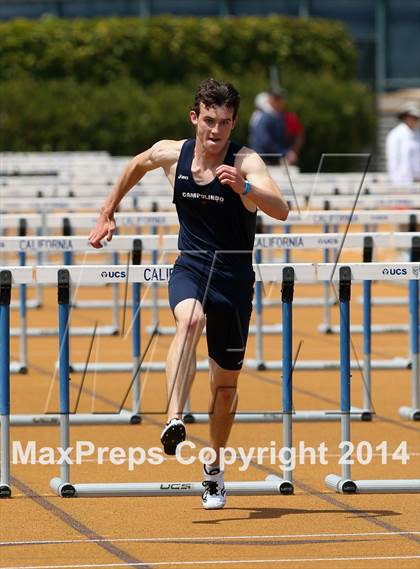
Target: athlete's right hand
point(105, 227)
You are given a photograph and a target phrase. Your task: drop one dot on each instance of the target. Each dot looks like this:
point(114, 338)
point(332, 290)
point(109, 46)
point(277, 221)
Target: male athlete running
point(217, 187)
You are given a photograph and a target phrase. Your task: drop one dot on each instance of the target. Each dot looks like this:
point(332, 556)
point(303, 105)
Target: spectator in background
point(273, 131)
point(403, 147)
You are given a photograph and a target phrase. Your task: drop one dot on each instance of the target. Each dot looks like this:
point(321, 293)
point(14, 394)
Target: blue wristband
point(247, 188)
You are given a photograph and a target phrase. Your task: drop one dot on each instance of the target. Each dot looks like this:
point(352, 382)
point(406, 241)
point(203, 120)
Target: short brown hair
point(214, 93)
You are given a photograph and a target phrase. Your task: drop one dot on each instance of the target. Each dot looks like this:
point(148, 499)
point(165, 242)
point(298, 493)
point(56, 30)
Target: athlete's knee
point(223, 383)
point(224, 395)
point(191, 325)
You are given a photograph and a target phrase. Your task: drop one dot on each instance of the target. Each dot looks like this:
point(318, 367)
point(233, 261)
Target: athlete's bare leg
point(223, 403)
point(181, 360)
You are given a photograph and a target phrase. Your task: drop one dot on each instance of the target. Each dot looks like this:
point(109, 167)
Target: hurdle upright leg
point(287, 383)
point(65, 488)
point(367, 341)
point(115, 298)
point(413, 412)
point(259, 356)
point(367, 331)
point(40, 257)
point(23, 336)
point(136, 336)
point(326, 326)
point(5, 294)
point(155, 289)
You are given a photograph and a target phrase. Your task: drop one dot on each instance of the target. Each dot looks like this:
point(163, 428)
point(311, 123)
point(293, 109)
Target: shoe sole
point(172, 437)
point(209, 506)
point(206, 507)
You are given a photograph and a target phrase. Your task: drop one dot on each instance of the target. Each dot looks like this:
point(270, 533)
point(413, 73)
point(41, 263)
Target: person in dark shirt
point(218, 186)
point(273, 131)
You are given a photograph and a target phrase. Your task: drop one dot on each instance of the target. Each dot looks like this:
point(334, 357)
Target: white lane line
point(216, 562)
point(205, 538)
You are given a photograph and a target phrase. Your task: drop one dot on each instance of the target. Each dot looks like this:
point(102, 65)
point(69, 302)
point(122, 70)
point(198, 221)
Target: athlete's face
point(213, 127)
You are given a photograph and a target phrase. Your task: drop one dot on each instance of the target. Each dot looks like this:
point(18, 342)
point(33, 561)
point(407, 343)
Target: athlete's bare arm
point(264, 193)
point(164, 154)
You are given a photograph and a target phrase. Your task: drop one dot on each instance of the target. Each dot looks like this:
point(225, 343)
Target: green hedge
point(124, 118)
point(169, 49)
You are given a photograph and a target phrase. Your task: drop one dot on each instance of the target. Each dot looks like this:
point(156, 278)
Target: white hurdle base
point(386, 301)
point(74, 331)
point(309, 301)
point(409, 413)
point(161, 303)
point(343, 486)
point(18, 368)
point(270, 487)
point(356, 414)
point(170, 330)
point(272, 365)
point(375, 328)
point(105, 367)
point(123, 418)
point(32, 303)
point(315, 365)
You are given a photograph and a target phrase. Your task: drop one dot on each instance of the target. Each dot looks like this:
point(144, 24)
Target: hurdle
point(379, 271)
point(344, 483)
point(123, 416)
point(273, 485)
point(129, 220)
point(20, 276)
point(73, 244)
point(65, 245)
point(402, 242)
point(354, 240)
point(69, 244)
point(299, 242)
point(327, 218)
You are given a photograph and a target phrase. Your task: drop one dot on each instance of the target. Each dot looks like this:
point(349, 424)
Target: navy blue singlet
point(216, 239)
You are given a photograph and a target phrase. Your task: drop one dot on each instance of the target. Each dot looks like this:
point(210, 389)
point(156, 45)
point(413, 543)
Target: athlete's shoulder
point(165, 152)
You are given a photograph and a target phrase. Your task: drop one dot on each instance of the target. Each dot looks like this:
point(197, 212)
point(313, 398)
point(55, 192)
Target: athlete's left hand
point(229, 175)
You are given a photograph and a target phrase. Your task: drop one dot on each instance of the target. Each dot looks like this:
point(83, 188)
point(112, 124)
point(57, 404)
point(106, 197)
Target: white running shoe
point(172, 435)
point(214, 495)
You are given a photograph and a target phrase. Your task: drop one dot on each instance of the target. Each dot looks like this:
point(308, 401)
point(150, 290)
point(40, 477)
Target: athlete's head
point(214, 113)
point(212, 93)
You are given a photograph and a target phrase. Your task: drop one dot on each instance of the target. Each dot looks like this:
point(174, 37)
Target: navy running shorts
point(227, 303)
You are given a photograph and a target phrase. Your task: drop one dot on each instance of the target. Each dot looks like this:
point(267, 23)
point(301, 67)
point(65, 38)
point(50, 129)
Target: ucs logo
point(416, 271)
point(176, 486)
point(394, 271)
point(114, 274)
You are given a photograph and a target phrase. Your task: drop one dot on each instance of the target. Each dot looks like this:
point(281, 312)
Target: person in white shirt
point(403, 148)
